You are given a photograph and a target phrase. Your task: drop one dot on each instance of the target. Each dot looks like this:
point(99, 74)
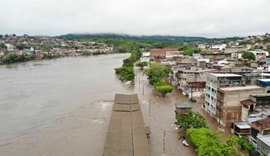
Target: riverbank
point(12, 58)
point(62, 107)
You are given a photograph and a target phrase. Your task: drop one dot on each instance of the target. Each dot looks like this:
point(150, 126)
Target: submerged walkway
point(126, 134)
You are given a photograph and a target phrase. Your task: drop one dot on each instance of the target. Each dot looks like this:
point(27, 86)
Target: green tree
point(2, 45)
point(183, 48)
point(164, 89)
point(45, 47)
point(125, 73)
point(248, 55)
point(188, 52)
point(245, 144)
point(191, 120)
point(142, 64)
point(198, 136)
point(207, 143)
point(21, 46)
point(157, 71)
point(13, 58)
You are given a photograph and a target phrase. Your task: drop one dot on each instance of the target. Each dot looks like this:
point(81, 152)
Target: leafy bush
point(21, 46)
point(199, 136)
point(2, 45)
point(13, 58)
point(142, 64)
point(191, 120)
point(207, 143)
point(157, 71)
point(125, 73)
point(248, 55)
point(156, 75)
point(244, 143)
point(164, 89)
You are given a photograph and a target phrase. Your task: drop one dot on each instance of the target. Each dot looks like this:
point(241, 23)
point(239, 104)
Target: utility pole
point(139, 82)
point(164, 140)
point(142, 88)
point(191, 92)
point(149, 107)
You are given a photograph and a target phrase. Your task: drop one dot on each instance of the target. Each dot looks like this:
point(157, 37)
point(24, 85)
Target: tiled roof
point(261, 124)
point(161, 52)
point(197, 84)
point(247, 102)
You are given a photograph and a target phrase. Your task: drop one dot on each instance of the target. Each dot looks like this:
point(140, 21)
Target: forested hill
point(153, 38)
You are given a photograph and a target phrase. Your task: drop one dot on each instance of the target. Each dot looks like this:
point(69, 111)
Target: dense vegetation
point(206, 142)
point(126, 72)
point(126, 43)
point(245, 144)
point(22, 46)
point(157, 74)
point(191, 120)
point(153, 38)
point(3, 46)
point(15, 58)
point(142, 64)
point(248, 55)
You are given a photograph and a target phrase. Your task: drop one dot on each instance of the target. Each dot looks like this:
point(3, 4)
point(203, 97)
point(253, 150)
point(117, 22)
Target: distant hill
point(153, 38)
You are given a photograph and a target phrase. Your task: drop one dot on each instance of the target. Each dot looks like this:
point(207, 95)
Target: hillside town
point(235, 86)
point(40, 47)
point(231, 77)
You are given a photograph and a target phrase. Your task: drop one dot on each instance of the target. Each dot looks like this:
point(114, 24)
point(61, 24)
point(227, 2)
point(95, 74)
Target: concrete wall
point(232, 106)
point(234, 98)
point(262, 147)
point(244, 114)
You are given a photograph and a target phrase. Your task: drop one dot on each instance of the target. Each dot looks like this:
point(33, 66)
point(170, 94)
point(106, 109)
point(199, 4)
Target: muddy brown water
point(62, 107)
point(57, 107)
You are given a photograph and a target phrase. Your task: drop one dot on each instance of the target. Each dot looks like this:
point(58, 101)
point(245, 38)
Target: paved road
point(161, 118)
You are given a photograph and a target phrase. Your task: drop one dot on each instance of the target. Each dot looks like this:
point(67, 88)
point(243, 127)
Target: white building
point(10, 47)
point(219, 46)
point(172, 54)
point(260, 54)
point(213, 82)
point(263, 144)
point(145, 56)
point(202, 46)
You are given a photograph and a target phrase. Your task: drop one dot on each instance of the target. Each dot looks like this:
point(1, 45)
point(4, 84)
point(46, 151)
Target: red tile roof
point(197, 84)
point(261, 124)
point(247, 102)
point(161, 52)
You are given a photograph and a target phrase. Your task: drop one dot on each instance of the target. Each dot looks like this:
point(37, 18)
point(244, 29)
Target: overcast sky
point(209, 18)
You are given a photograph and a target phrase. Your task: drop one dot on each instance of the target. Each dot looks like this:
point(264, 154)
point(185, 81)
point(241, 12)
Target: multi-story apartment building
point(213, 82)
point(229, 106)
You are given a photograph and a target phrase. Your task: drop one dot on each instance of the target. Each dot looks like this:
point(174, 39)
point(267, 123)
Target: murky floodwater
point(63, 107)
point(36, 96)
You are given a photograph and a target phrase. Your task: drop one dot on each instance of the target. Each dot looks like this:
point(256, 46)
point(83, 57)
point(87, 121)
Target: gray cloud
point(210, 18)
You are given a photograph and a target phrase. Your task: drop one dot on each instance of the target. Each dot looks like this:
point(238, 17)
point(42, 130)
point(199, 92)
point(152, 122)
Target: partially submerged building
point(182, 109)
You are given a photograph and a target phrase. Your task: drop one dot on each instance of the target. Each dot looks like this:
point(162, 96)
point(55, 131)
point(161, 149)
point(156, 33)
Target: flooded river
point(62, 107)
point(57, 107)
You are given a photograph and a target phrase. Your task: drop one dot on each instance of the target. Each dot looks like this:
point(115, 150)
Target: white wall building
point(260, 54)
point(10, 47)
point(213, 82)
